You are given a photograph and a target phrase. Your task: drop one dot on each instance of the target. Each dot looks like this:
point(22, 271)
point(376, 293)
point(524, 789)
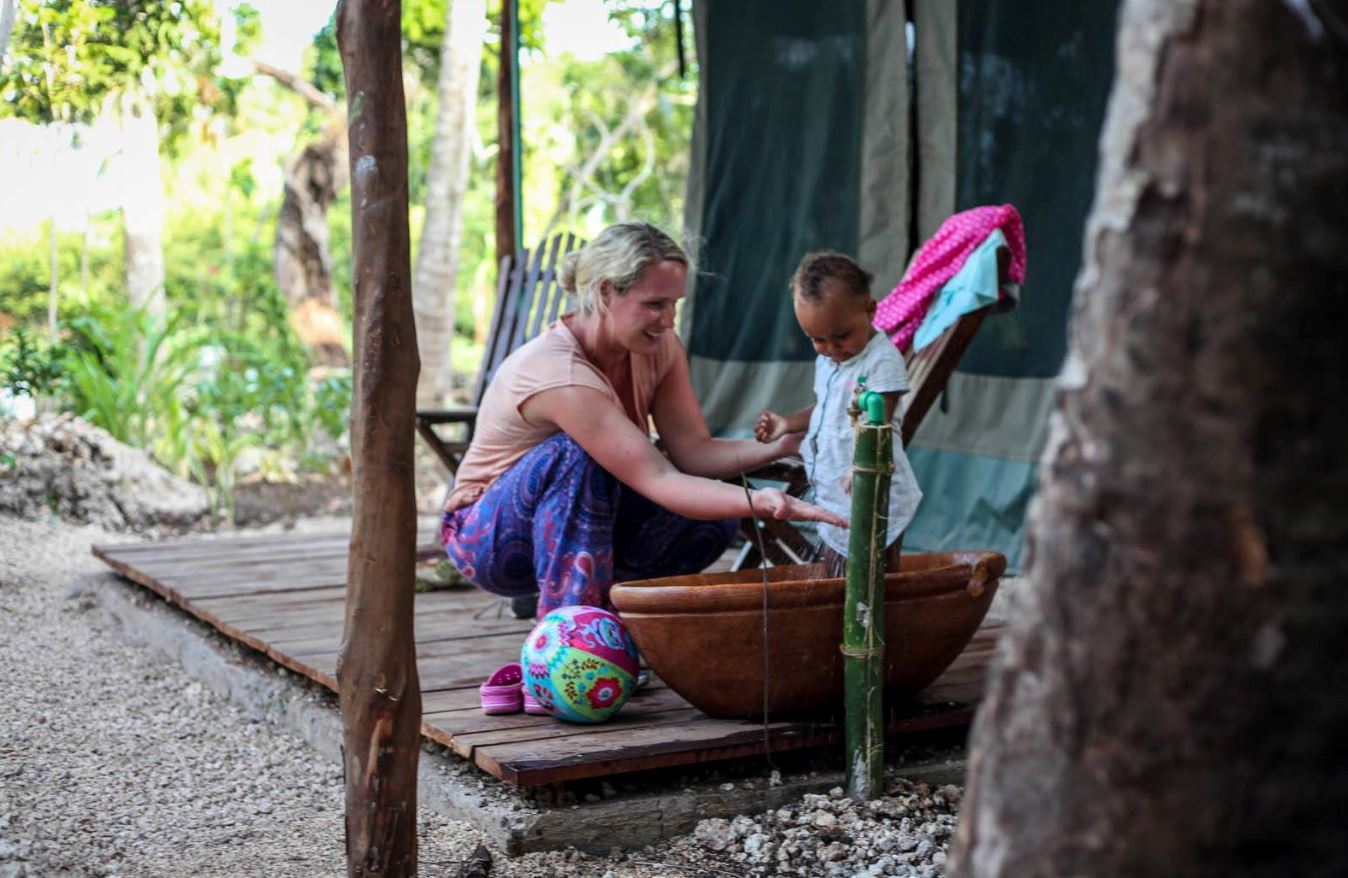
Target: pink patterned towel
point(939, 259)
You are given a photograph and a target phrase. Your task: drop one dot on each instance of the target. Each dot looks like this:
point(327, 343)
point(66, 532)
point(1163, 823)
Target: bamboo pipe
point(864, 602)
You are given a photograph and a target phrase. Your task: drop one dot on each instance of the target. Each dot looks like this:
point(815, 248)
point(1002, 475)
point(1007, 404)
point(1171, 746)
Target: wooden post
point(508, 212)
point(864, 604)
point(376, 671)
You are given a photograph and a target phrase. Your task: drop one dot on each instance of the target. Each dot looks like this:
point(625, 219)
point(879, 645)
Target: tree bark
point(505, 140)
point(1167, 700)
point(142, 205)
point(301, 257)
point(377, 671)
point(437, 266)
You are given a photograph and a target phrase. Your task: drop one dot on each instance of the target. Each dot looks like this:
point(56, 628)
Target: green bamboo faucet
point(864, 595)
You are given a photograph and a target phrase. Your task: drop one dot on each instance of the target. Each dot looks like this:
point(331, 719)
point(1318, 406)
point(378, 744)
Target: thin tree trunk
point(1168, 698)
point(8, 10)
point(437, 267)
point(142, 205)
point(505, 145)
point(54, 273)
point(376, 670)
point(85, 244)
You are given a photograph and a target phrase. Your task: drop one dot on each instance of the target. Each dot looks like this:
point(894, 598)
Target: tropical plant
point(125, 370)
point(30, 366)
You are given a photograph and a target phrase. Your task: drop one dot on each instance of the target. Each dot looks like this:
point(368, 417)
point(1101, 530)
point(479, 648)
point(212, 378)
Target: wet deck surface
point(283, 596)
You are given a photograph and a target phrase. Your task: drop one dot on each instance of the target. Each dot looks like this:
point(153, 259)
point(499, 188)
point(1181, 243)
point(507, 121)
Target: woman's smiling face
point(838, 324)
point(640, 317)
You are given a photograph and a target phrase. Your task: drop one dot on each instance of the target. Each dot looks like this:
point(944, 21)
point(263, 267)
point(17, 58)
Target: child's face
point(839, 325)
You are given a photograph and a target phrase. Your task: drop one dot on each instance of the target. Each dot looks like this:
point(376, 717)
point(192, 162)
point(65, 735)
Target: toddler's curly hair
point(819, 272)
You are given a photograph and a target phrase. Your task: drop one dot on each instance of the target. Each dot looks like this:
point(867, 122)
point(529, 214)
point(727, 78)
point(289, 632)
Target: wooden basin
point(704, 634)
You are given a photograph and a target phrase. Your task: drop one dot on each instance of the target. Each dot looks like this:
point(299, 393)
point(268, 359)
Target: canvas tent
point(859, 126)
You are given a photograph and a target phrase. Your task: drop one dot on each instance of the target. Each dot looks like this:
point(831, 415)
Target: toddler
point(832, 297)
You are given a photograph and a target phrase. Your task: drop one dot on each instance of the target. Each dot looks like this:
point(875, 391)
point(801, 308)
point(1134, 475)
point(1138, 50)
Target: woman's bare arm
point(684, 431)
point(616, 444)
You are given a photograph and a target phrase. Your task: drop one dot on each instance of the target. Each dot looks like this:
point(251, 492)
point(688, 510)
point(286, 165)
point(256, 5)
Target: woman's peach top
point(553, 359)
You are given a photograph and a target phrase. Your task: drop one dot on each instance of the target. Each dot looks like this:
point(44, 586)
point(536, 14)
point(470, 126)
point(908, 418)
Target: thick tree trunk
point(377, 671)
point(437, 266)
point(302, 258)
point(142, 205)
point(1168, 701)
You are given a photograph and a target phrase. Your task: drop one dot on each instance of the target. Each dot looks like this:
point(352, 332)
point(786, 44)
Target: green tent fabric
point(1032, 87)
point(846, 126)
point(785, 162)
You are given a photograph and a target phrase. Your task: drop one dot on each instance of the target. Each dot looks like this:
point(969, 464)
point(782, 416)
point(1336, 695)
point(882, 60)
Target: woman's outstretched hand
point(776, 503)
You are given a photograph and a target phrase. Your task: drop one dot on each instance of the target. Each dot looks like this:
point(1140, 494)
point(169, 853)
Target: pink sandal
point(501, 693)
point(531, 705)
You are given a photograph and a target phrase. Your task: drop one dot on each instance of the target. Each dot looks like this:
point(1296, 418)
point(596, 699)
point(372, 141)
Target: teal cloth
point(970, 502)
point(973, 287)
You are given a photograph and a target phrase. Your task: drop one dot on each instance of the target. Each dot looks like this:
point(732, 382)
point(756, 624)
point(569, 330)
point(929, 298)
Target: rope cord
point(763, 565)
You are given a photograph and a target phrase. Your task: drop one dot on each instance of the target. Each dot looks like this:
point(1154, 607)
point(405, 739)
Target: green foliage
point(30, 366)
point(25, 271)
point(70, 56)
point(198, 397)
point(247, 28)
point(125, 368)
point(227, 379)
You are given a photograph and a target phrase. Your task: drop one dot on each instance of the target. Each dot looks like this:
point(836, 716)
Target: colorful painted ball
point(580, 663)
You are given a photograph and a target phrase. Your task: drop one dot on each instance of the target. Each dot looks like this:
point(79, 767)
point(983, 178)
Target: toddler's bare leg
point(835, 564)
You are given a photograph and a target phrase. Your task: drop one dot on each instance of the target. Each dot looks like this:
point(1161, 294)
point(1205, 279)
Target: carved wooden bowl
point(704, 634)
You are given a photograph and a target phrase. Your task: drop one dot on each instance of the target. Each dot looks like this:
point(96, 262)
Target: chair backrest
point(929, 369)
point(528, 298)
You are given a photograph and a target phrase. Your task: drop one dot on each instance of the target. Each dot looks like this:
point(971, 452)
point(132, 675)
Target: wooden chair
point(928, 371)
point(528, 298)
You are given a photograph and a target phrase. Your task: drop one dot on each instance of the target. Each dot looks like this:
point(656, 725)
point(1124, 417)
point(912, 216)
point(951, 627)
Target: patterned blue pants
point(559, 524)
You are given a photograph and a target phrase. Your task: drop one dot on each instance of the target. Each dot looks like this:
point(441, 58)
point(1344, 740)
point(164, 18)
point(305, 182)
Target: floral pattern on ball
point(580, 664)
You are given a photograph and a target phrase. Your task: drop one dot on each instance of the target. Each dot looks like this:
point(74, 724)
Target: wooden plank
point(558, 294)
point(328, 638)
point(448, 706)
point(503, 273)
point(569, 758)
point(694, 742)
point(469, 732)
point(225, 565)
point(528, 295)
point(148, 553)
point(547, 282)
point(502, 332)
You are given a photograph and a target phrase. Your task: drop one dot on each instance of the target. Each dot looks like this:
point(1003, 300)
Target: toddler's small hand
point(846, 482)
point(769, 427)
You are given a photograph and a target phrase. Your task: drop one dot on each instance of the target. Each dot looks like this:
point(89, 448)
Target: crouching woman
point(561, 492)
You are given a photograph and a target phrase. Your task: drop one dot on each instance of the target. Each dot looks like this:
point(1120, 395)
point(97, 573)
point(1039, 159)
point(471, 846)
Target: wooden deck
point(283, 596)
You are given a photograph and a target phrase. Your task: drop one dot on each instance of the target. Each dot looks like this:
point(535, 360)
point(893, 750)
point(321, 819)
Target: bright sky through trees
point(37, 166)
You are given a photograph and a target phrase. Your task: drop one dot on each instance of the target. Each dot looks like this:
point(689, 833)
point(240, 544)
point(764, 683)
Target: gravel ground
point(114, 762)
